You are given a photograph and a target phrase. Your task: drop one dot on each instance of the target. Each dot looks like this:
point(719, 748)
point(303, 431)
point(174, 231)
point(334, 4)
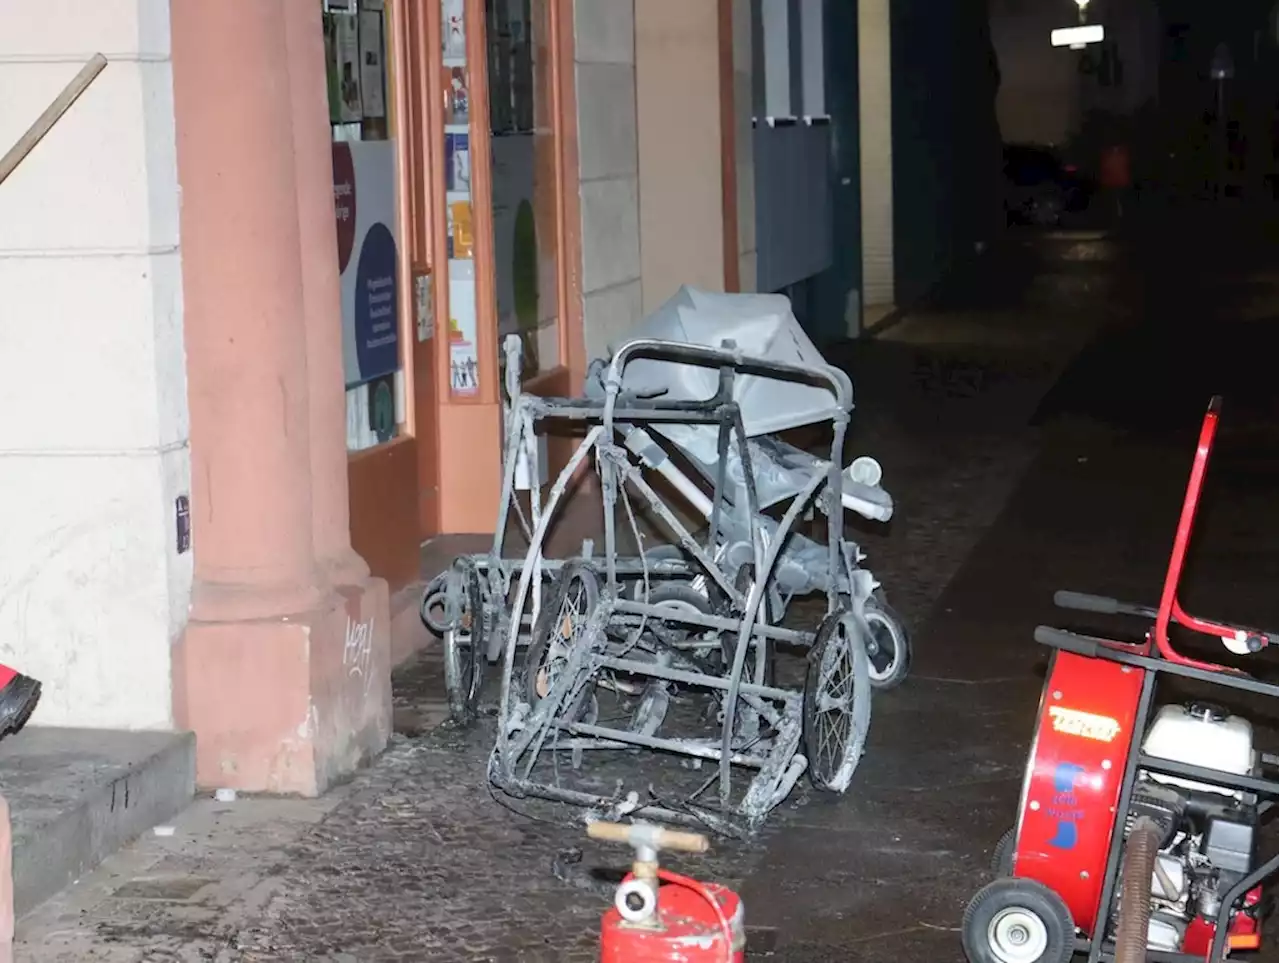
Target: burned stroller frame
point(660, 620)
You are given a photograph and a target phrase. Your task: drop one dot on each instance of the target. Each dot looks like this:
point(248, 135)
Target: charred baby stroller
point(714, 378)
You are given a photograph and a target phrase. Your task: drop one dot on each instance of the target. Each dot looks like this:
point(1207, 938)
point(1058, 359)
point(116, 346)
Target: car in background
point(1041, 189)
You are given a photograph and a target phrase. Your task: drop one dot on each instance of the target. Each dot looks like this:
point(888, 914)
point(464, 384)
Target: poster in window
point(462, 239)
point(371, 66)
point(457, 170)
point(382, 408)
point(453, 27)
point(456, 100)
point(346, 50)
point(464, 368)
point(365, 211)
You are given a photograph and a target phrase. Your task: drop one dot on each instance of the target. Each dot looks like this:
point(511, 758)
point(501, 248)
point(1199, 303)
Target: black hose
point(1140, 851)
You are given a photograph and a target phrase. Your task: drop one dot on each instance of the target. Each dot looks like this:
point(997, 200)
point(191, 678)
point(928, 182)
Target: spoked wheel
point(1017, 921)
point(465, 639)
point(561, 625)
point(888, 644)
point(837, 702)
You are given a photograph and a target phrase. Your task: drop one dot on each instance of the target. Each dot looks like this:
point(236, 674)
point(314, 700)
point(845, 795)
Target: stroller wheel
point(678, 597)
point(744, 581)
point(837, 702)
point(465, 639)
point(561, 624)
point(1002, 856)
point(888, 644)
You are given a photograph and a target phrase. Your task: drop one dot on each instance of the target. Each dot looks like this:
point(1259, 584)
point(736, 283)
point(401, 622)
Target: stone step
point(76, 796)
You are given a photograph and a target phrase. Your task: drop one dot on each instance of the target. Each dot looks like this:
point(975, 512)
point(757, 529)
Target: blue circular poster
point(377, 331)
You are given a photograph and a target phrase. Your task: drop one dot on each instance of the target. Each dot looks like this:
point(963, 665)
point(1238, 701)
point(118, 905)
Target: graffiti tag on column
point(357, 650)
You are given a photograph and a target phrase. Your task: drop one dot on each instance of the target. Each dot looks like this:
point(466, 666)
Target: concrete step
point(77, 795)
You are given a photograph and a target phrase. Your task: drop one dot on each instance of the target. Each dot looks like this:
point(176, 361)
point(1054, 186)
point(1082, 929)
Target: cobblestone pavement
point(417, 860)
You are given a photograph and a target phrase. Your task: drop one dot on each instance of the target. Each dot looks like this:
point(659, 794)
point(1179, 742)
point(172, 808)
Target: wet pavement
point(1035, 427)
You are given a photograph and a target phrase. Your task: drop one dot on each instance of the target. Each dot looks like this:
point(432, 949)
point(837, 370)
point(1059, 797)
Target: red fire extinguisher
point(661, 917)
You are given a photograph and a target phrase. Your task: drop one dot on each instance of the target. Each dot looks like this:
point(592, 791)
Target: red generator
point(1137, 835)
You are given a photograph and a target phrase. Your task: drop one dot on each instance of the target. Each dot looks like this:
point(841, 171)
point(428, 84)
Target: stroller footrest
point(869, 501)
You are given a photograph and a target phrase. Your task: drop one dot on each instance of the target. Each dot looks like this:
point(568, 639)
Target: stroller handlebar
point(1239, 639)
point(829, 377)
point(1067, 641)
point(1084, 602)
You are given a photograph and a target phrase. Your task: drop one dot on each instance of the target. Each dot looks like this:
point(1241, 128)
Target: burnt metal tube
point(1140, 851)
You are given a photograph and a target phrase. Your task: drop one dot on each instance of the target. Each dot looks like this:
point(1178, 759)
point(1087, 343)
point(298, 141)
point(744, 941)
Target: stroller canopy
point(762, 326)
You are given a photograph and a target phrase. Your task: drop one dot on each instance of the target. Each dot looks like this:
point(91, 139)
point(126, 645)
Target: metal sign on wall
point(365, 211)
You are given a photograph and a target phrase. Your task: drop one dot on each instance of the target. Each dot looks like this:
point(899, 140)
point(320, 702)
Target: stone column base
point(6, 883)
point(288, 706)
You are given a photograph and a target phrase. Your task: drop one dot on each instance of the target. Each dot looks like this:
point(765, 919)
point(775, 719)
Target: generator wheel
point(837, 702)
point(1002, 856)
point(889, 645)
point(1017, 921)
point(465, 640)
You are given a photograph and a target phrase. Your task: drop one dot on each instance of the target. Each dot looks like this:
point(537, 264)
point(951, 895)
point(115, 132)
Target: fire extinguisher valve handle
point(648, 836)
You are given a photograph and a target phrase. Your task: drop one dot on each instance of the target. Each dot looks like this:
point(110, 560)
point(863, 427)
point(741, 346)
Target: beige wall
point(605, 73)
point(649, 142)
point(678, 117)
point(93, 436)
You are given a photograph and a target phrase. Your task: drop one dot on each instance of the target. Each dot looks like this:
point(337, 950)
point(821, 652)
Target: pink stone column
point(244, 322)
point(284, 680)
point(321, 295)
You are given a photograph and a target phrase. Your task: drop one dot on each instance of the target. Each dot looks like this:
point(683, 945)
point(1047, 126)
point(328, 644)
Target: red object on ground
point(1115, 172)
point(692, 929)
point(1072, 786)
point(19, 695)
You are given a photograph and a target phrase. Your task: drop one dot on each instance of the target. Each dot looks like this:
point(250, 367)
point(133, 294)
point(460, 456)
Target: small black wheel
point(743, 581)
point(677, 597)
point(434, 608)
point(1002, 856)
point(837, 702)
point(1017, 921)
point(465, 639)
point(561, 624)
point(888, 643)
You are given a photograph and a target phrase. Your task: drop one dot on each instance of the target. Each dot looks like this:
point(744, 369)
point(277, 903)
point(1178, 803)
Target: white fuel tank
point(1200, 736)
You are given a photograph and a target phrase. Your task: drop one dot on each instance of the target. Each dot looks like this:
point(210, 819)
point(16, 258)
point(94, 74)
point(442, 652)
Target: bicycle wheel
point(465, 639)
